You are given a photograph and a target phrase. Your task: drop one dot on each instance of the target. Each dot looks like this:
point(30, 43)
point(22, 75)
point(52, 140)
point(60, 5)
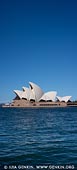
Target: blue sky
point(38, 43)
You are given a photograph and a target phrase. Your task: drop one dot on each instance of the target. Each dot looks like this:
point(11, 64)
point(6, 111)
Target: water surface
point(45, 136)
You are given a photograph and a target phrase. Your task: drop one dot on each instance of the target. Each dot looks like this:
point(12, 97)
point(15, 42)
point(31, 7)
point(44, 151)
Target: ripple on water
point(38, 136)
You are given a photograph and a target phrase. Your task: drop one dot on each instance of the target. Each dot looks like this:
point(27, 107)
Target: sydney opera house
point(35, 97)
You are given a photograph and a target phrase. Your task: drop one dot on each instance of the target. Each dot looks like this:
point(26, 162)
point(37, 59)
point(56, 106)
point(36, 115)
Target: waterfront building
point(35, 97)
point(35, 93)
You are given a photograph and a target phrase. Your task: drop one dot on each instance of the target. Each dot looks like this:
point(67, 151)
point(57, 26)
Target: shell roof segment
point(65, 98)
point(51, 95)
point(34, 92)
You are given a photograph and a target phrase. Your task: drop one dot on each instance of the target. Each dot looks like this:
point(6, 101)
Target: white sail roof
point(65, 98)
point(36, 91)
point(49, 96)
point(19, 93)
point(26, 93)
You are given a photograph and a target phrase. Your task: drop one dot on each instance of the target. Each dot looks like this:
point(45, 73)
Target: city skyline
point(38, 41)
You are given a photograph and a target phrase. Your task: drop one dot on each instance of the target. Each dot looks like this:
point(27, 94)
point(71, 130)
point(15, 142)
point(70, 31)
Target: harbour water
point(32, 138)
